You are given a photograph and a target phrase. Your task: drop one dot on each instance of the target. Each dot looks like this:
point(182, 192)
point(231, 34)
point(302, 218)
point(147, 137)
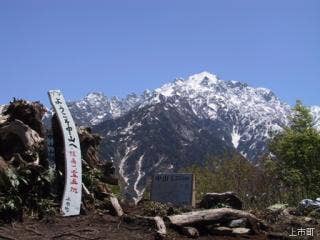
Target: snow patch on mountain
point(235, 136)
point(140, 174)
point(122, 163)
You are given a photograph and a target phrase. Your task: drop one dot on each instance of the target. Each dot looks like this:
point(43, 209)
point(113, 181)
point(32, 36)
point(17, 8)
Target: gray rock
point(308, 205)
point(242, 222)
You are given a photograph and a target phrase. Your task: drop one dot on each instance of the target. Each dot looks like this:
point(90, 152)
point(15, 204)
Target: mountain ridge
point(199, 110)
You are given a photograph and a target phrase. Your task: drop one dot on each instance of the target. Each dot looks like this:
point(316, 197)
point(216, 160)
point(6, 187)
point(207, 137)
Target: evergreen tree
point(297, 155)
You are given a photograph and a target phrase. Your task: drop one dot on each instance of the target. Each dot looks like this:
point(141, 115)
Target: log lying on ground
point(211, 200)
point(156, 222)
point(213, 216)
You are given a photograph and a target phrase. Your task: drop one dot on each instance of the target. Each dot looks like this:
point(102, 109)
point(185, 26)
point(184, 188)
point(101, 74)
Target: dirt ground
point(97, 225)
point(92, 227)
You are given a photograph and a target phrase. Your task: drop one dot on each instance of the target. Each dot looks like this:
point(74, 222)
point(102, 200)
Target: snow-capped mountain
point(96, 107)
point(251, 113)
point(315, 111)
point(182, 123)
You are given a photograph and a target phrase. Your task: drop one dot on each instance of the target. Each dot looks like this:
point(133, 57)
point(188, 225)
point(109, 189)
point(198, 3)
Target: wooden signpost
point(175, 188)
point(71, 200)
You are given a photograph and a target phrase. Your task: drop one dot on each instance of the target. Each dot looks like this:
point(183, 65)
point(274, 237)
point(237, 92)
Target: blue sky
point(118, 47)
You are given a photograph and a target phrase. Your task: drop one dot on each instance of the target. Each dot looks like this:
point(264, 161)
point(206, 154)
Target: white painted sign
point(175, 188)
point(71, 200)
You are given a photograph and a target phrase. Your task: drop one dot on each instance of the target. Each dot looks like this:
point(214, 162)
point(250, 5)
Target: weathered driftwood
point(22, 131)
point(85, 190)
point(161, 227)
point(30, 113)
point(213, 216)
point(28, 136)
point(156, 222)
point(190, 232)
point(116, 206)
point(211, 200)
point(18, 138)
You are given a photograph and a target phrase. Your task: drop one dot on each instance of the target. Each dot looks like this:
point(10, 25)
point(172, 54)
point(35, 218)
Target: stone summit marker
point(175, 188)
point(71, 200)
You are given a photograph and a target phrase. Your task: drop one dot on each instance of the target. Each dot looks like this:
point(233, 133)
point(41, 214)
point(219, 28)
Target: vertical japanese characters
point(71, 201)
